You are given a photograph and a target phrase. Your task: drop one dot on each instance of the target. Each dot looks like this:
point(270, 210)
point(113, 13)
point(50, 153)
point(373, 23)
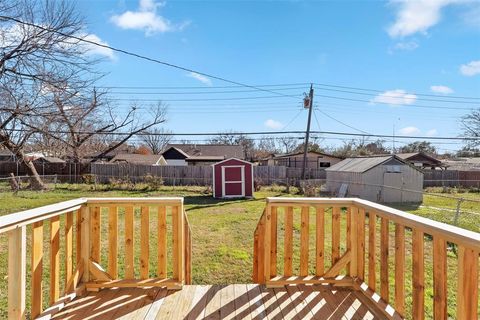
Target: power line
point(202, 87)
point(381, 91)
point(341, 122)
point(139, 56)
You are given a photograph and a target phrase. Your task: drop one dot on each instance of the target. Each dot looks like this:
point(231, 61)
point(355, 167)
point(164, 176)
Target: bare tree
point(470, 124)
point(231, 138)
point(288, 143)
point(156, 139)
point(36, 49)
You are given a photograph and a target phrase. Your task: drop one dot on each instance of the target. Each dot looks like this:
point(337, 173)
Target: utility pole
point(307, 134)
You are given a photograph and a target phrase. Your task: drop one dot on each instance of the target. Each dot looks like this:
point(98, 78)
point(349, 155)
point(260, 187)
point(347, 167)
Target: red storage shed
point(232, 178)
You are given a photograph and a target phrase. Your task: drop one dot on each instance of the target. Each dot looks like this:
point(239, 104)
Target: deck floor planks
point(239, 301)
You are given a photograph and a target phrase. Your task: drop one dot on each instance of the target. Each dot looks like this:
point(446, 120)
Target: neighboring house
point(421, 160)
point(150, 159)
point(7, 156)
point(200, 154)
point(462, 164)
point(45, 160)
point(384, 179)
point(315, 160)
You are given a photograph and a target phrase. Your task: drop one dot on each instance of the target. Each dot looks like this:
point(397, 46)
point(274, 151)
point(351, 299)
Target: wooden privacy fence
point(97, 238)
point(195, 175)
point(66, 172)
point(358, 243)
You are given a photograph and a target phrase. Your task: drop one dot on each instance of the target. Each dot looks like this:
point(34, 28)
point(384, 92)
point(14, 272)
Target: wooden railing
point(97, 234)
point(357, 243)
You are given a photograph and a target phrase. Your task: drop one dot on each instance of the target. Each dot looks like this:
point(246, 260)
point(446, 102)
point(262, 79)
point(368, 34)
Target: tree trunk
point(36, 182)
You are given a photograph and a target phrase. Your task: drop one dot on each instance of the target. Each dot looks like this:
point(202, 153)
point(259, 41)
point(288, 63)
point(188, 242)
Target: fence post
point(457, 213)
point(55, 181)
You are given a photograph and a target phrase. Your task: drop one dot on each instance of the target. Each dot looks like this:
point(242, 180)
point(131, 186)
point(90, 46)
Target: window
point(324, 164)
point(393, 168)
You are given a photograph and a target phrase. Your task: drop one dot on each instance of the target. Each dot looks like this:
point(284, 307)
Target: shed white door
point(233, 181)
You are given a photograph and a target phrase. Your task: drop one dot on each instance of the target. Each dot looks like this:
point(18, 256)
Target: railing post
point(178, 243)
point(17, 248)
point(267, 242)
point(85, 240)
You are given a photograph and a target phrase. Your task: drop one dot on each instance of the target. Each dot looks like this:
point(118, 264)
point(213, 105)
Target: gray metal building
point(383, 179)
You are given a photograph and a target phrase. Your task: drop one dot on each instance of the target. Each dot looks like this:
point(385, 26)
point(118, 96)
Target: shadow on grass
point(207, 201)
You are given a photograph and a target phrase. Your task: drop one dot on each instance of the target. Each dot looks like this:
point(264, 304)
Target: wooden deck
point(238, 301)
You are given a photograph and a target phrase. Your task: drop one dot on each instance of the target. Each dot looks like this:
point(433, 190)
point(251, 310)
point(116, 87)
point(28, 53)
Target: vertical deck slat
point(288, 243)
point(78, 235)
point(129, 243)
point(320, 241)
point(144, 242)
point(188, 251)
point(68, 247)
point(439, 278)
point(335, 234)
point(37, 268)
point(85, 241)
point(178, 243)
point(54, 259)
point(349, 237)
point(95, 234)
point(259, 263)
point(352, 241)
point(162, 243)
point(304, 240)
point(418, 275)
point(400, 269)
point(268, 230)
point(384, 281)
point(372, 248)
point(467, 291)
point(361, 244)
point(273, 248)
point(17, 256)
point(112, 267)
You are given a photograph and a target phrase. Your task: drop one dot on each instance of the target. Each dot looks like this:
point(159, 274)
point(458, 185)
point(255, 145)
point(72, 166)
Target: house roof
point(148, 159)
point(363, 164)
point(287, 155)
point(406, 156)
point(196, 150)
point(51, 159)
point(205, 158)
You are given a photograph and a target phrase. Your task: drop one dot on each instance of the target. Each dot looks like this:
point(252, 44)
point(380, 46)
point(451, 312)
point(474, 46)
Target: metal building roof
point(359, 164)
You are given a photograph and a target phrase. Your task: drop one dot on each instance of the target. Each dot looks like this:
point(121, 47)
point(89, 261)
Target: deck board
point(239, 301)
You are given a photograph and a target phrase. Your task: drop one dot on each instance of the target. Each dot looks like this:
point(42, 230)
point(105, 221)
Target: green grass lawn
point(222, 231)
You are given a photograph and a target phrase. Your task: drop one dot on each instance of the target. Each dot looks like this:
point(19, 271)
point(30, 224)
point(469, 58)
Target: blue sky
point(402, 49)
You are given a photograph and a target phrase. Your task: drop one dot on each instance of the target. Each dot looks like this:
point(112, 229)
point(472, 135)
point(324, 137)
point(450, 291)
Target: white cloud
point(395, 97)
point(441, 89)
point(409, 131)
point(406, 46)
point(146, 18)
point(431, 132)
point(470, 69)
point(96, 50)
point(273, 124)
point(199, 77)
point(415, 16)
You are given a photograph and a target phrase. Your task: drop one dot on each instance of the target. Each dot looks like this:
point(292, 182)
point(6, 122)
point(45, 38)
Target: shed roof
point(407, 156)
point(363, 164)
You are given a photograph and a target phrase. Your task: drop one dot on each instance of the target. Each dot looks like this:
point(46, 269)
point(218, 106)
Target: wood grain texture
point(68, 247)
point(273, 241)
point(54, 259)
point(304, 240)
point(335, 234)
point(129, 243)
point(288, 242)
point(144, 242)
point(418, 275)
point(112, 268)
point(361, 244)
point(439, 278)
point(17, 264)
point(162, 243)
point(400, 269)
point(372, 248)
point(384, 246)
point(320, 241)
point(95, 234)
point(467, 291)
point(37, 269)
